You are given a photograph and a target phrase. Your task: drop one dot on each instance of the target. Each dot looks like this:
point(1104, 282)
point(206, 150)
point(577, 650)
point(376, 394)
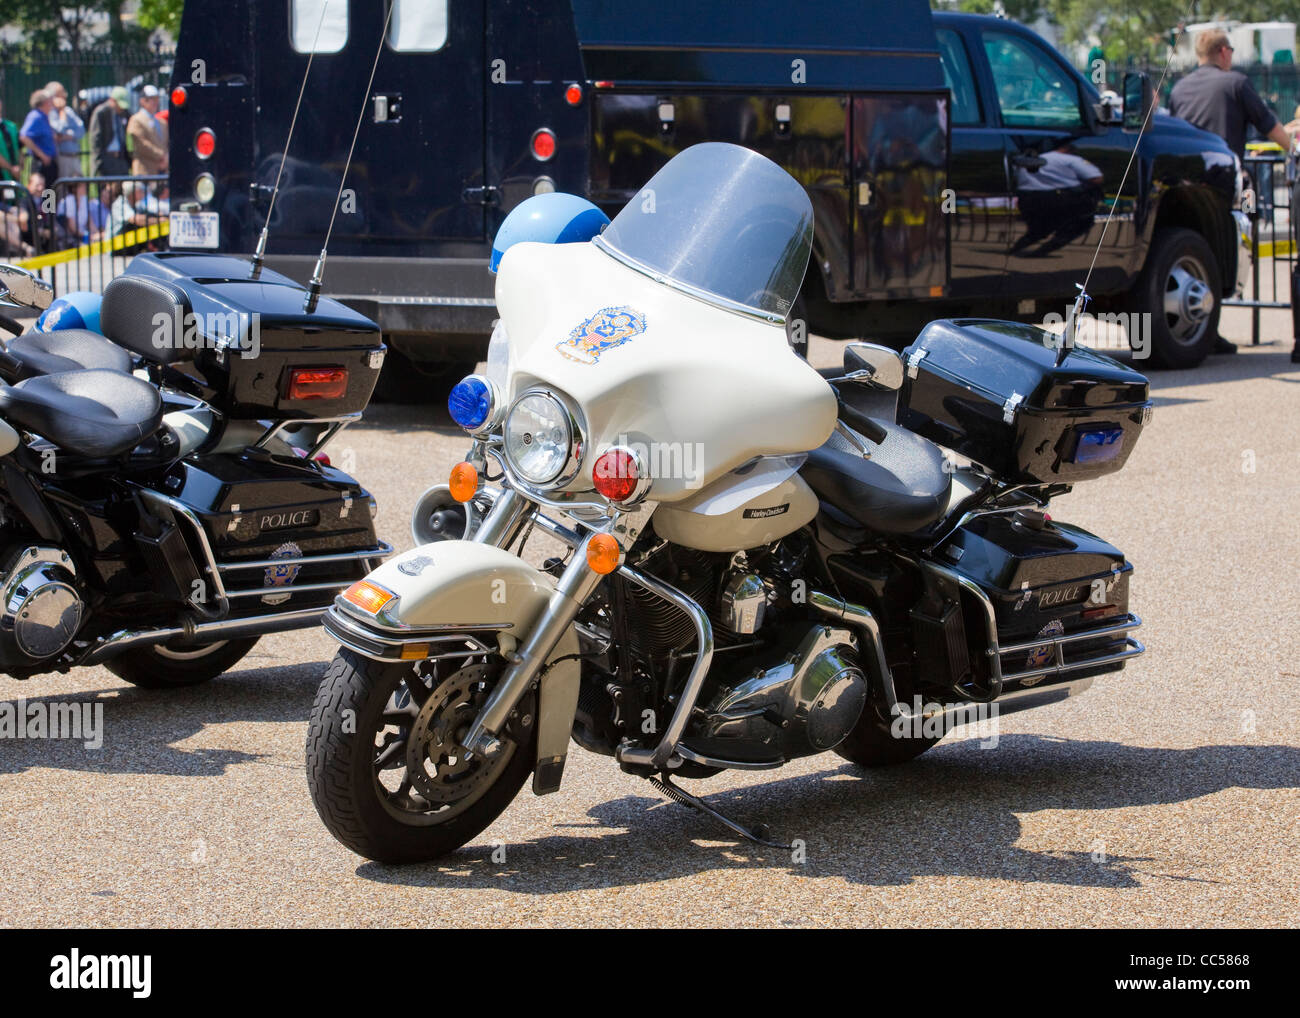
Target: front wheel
point(173, 665)
point(387, 769)
point(1180, 290)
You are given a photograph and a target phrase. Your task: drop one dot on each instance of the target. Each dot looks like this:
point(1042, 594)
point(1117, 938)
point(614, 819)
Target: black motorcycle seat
point(46, 353)
point(94, 413)
point(903, 487)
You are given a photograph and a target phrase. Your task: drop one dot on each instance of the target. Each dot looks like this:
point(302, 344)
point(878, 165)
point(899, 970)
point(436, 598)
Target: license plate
point(195, 229)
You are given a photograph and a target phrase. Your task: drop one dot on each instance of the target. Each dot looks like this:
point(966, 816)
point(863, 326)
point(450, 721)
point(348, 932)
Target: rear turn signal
point(317, 383)
point(463, 481)
point(603, 554)
point(369, 597)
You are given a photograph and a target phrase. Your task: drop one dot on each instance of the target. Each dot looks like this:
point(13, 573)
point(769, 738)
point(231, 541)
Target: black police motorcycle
point(164, 497)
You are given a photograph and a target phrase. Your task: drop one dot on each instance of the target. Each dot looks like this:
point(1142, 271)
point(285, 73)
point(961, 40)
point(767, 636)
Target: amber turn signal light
point(369, 597)
point(603, 554)
point(463, 481)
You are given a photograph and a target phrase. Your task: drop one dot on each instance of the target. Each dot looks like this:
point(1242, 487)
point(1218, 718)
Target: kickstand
point(757, 834)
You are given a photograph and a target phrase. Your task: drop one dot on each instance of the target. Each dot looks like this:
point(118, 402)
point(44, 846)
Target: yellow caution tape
point(123, 240)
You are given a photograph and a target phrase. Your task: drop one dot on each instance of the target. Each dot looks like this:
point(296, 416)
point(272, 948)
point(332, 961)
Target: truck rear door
point(421, 140)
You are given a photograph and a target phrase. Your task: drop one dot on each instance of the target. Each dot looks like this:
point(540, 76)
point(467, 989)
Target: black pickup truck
point(956, 163)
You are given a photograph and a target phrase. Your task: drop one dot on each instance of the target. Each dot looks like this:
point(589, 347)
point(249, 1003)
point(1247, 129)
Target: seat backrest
point(146, 316)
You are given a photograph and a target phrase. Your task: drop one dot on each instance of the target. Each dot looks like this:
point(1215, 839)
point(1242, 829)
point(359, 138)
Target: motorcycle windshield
point(723, 223)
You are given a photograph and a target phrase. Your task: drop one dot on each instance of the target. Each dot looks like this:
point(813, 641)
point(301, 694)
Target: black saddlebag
point(992, 391)
point(1045, 582)
point(276, 528)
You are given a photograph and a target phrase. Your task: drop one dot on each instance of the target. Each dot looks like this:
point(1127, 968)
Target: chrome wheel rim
point(1188, 301)
point(422, 772)
point(188, 653)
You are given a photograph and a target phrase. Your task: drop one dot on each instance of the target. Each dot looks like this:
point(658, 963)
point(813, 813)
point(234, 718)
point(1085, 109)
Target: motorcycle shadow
point(140, 729)
point(952, 813)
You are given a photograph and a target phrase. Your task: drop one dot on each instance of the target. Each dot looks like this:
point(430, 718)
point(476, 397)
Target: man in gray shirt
point(1222, 101)
point(1218, 99)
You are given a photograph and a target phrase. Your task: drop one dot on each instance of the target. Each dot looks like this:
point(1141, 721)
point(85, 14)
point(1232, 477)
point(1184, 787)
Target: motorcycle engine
point(780, 686)
point(803, 703)
point(40, 608)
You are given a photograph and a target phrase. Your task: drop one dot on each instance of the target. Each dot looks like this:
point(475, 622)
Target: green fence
point(22, 72)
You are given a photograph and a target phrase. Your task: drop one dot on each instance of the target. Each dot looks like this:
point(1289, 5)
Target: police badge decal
point(606, 329)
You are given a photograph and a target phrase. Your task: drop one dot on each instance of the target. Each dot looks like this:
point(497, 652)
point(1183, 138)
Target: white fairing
point(701, 389)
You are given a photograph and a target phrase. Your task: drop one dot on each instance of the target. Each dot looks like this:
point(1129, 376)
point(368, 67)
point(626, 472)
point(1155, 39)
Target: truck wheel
point(872, 743)
point(164, 666)
point(1180, 289)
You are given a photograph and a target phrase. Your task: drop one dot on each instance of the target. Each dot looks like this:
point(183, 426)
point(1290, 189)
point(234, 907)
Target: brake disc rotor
point(439, 766)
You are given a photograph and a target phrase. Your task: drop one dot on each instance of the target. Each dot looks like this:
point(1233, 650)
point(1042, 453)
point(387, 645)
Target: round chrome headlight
point(539, 437)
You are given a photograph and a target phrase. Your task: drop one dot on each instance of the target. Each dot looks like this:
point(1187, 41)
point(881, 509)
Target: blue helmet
point(553, 218)
point(76, 310)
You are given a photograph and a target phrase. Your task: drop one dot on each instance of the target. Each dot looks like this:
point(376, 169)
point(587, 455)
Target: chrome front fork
point(510, 512)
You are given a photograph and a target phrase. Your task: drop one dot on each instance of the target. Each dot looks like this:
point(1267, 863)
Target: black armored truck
point(957, 164)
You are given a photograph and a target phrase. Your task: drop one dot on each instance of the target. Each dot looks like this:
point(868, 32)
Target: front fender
point(450, 589)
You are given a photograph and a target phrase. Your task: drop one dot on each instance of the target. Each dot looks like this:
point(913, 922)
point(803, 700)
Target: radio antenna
point(260, 253)
point(1081, 302)
point(313, 288)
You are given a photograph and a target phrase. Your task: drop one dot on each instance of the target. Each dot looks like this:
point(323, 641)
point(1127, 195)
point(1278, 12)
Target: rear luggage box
point(992, 391)
point(264, 353)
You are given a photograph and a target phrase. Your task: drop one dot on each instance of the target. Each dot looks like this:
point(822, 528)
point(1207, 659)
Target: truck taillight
point(317, 383)
point(543, 144)
point(573, 94)
point(179, 97)
point(205, 143)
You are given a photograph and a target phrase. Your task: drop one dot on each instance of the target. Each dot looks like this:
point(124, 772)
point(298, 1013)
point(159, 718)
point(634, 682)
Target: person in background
point(108, 136)
point(148, 136)
point(68, 130)
point(1222, 101)
point(11, 149)
point(38, 136)
point(124, 215)
point(86, 217)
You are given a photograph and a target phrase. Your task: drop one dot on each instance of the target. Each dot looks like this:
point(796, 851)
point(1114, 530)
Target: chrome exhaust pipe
point(202, 632)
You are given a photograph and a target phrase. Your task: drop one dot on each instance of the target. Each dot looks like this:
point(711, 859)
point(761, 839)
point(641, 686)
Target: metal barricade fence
point(82, 232)
point(1274, 241)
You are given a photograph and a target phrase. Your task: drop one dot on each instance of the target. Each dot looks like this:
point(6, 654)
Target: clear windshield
point(722, 222)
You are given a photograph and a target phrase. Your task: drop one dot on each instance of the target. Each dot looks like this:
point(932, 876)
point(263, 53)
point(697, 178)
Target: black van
point(956, 163)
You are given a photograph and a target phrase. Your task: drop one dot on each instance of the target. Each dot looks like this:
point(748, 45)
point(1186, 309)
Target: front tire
point(168, 666)
point(1180, 289)
point(371, 785)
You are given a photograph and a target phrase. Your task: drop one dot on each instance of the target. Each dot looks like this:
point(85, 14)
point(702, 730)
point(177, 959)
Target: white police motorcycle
point(757, 568)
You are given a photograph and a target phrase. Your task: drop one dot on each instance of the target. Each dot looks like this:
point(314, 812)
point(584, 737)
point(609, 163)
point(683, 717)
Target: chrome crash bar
point(218, 605)
point(1059, 666)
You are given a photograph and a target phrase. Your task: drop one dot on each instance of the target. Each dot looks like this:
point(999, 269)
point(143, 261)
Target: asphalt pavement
point(1165, 796)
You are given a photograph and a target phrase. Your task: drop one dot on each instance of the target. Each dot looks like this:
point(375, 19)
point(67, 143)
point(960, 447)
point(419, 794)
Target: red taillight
point(205, 143)
point(317, 383)
point(616, 474)
point(573, 95)
point(179, 97)
point(543, 144)
point(322, 458)
point(603, 84)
